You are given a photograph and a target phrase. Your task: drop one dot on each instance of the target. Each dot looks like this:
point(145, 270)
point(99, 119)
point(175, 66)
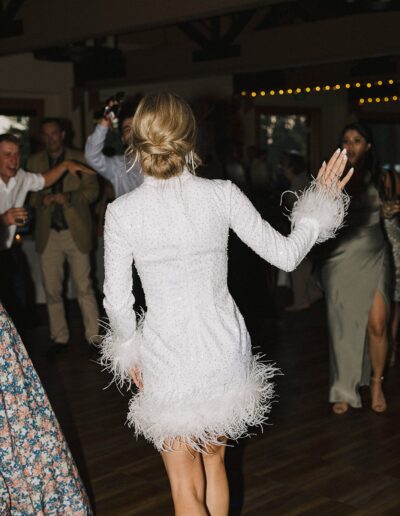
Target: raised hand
point(330, 174)
point(107, 120)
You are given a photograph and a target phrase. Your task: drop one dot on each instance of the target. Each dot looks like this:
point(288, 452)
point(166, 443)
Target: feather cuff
point(119, 358)
point(328, 206)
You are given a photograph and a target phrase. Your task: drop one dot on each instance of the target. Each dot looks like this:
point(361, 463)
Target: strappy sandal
point(378, 407)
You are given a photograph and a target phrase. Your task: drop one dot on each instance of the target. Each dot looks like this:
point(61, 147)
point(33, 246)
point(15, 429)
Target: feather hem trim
point(200, 419)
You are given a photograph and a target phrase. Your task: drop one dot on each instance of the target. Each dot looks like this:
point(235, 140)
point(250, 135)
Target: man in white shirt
point(15, 183)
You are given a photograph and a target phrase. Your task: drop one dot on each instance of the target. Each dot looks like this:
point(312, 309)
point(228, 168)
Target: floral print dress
point(37, 473)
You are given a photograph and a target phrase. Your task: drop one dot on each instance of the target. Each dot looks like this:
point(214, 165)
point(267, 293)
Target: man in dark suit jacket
point(63, 232)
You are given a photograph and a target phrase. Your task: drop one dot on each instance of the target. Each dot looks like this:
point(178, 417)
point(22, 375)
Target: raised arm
point(94, 151)
point(119, 351)
point(317, 214)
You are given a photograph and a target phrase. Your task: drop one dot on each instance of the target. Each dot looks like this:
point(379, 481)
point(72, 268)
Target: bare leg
point(394, 330)
point(378, 347)
point(217, 490)
point(186, 476)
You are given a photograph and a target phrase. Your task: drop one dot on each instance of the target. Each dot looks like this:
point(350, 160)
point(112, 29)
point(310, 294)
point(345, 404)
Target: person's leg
point(378, 347)
point(186, 476)
point(80, 271)
point(52, 269)
point(394, 330)
point(217, 489)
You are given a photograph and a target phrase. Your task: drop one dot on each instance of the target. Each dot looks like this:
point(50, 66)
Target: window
point(21, 117)
point(285, 130)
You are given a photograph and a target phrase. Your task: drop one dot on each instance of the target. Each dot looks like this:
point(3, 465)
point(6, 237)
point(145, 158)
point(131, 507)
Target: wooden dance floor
point(308, 461)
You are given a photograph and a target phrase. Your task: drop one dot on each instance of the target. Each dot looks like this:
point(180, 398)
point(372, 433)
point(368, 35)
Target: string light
point(378, 100)
point(326, 88)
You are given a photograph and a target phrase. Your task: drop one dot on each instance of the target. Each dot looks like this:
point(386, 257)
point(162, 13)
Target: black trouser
point(16, 286)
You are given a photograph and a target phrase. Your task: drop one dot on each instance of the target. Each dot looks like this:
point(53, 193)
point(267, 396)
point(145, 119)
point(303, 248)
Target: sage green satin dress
point(356, 266)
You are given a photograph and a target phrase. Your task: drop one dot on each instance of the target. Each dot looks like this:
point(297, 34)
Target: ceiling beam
point(89, 19)
point(327, 41)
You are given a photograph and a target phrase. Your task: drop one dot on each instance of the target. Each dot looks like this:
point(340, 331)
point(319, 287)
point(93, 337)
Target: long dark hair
point(371, 162)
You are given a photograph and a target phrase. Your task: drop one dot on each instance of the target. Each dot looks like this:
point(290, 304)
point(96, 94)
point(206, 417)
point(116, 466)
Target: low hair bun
point(163, 135)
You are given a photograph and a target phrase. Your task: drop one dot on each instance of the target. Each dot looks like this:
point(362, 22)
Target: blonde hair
point(163, 135)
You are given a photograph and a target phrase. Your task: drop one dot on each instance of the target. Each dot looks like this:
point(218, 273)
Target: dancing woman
point(356, 280)
point(190, 357)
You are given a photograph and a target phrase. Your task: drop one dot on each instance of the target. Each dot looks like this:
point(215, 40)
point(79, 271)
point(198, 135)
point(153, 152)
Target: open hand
point(330, 174)
point(136, 375)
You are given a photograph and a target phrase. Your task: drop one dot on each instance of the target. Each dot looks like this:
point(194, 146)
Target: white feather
point(200, 419)
point(327, 205)
point(117, 357)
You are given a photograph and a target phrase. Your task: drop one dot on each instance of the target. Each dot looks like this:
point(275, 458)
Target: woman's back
point(178, 232)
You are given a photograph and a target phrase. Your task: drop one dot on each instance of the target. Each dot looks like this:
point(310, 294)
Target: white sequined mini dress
point(201, 380)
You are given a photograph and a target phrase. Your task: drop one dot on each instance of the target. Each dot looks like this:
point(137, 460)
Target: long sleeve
point(286, 252)
point(119, 351)
point(94, 153)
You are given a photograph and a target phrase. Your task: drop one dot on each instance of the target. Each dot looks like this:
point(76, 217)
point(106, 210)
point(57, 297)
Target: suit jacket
point(84, 190)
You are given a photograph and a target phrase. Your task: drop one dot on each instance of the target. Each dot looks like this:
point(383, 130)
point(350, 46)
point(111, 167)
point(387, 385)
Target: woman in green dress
point(356, 280)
